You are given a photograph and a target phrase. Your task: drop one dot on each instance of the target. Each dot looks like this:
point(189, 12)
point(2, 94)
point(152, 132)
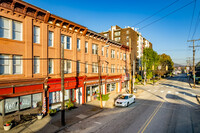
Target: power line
point(192, 19)
point(156, 13)
point(166, 15)
point(196, 25)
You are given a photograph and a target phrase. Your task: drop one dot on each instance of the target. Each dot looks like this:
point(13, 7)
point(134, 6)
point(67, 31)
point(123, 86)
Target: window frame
point(37, 65)
point(36, 34)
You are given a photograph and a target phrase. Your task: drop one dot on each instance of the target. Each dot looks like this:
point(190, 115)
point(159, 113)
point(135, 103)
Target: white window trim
point(35, 34)
point(52, 40)
point(78, 46)
point(37, 65)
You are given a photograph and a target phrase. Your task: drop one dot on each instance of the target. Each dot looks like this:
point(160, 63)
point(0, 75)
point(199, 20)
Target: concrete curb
point(67, 126)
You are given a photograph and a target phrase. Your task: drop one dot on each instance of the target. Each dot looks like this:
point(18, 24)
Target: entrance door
point(79, 95)
point(88, 94)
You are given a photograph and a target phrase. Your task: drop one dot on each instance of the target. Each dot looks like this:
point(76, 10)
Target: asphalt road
point(168, 107)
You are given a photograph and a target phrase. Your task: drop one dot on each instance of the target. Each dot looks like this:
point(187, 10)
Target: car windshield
point(123, 97)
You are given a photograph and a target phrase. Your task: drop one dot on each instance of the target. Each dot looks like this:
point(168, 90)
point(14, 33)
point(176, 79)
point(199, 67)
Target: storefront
point(125, 82)
point(20, 100)
point(73, 91)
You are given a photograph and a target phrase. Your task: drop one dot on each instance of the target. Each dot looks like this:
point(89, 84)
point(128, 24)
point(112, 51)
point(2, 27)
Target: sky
point(168, 35)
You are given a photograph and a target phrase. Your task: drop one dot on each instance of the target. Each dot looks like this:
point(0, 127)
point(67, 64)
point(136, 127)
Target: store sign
point(25, 102)
point(11, 104)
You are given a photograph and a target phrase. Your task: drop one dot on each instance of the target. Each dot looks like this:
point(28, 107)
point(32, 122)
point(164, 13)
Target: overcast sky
point(168, 35)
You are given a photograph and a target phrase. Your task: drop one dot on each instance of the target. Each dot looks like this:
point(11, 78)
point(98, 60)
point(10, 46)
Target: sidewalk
point(50, 124)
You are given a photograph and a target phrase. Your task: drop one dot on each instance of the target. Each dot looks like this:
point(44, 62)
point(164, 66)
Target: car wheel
point(127, 104)
point(134, 101)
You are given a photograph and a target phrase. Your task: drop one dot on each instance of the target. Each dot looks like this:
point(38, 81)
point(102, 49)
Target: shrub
point(104, 97)
point(69, 104)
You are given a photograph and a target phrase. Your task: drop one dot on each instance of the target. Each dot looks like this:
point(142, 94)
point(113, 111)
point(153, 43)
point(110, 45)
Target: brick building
point(30, 55)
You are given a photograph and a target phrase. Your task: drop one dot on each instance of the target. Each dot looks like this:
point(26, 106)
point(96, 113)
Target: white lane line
point(161, 91)
point(193, 94)
point(97, 123)
point(169, 92)
point(149, 90)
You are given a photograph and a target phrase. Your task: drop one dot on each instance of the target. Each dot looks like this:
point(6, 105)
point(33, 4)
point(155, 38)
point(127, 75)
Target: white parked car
point(125, 100)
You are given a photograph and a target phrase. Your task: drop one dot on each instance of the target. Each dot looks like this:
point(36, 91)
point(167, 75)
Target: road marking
point(98, 123)
point(149, 90)
point(193, 94)
point(161, 91)
point(145, 125)
point(176, 93)
point(169, 92)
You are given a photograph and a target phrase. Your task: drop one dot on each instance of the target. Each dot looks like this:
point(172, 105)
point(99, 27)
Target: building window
point(78, 44)
point(78, 67)
point(102, 67)
point(117, 39)
point(86, 67)
point(102, 51)
point(17, 30)
point(127, 32)
point(106, 52)
point(112, 68)
point(36, 34)
point(66, 41)
point(94, 49)
point(117, 33)
point(86, 47)
point(67, 66)
point(94, 68)
point(5, 64)
point(51, 39)
point(50, 66)
point(124, 56)
point(112, 53)
point(120, 69)
point(127, 37)
point(121, 55)
point(17, 64)
point(127, 43)
point(5, 29)
point(36, 64)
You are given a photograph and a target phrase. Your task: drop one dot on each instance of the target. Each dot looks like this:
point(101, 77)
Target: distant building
point(130, 37)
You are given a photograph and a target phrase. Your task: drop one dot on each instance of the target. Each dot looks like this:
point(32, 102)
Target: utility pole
point(62, 86)
point(194, 57)
point(99, 73)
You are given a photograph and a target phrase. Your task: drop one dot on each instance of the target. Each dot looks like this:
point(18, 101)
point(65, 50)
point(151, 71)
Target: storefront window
point(113, 87)
point(25, 102)
point(67, 93)
point(95, 89)
point(88, 91)
point(73, 95)
point(37, 98)
point(54, 97)
point(11, 104)
point(1, 109)
point(108, 87)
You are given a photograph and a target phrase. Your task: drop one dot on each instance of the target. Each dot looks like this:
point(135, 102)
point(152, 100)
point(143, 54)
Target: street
point(169, 106)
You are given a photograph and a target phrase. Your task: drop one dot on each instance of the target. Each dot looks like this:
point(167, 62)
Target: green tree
point(166, 64)
point(150, 59)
